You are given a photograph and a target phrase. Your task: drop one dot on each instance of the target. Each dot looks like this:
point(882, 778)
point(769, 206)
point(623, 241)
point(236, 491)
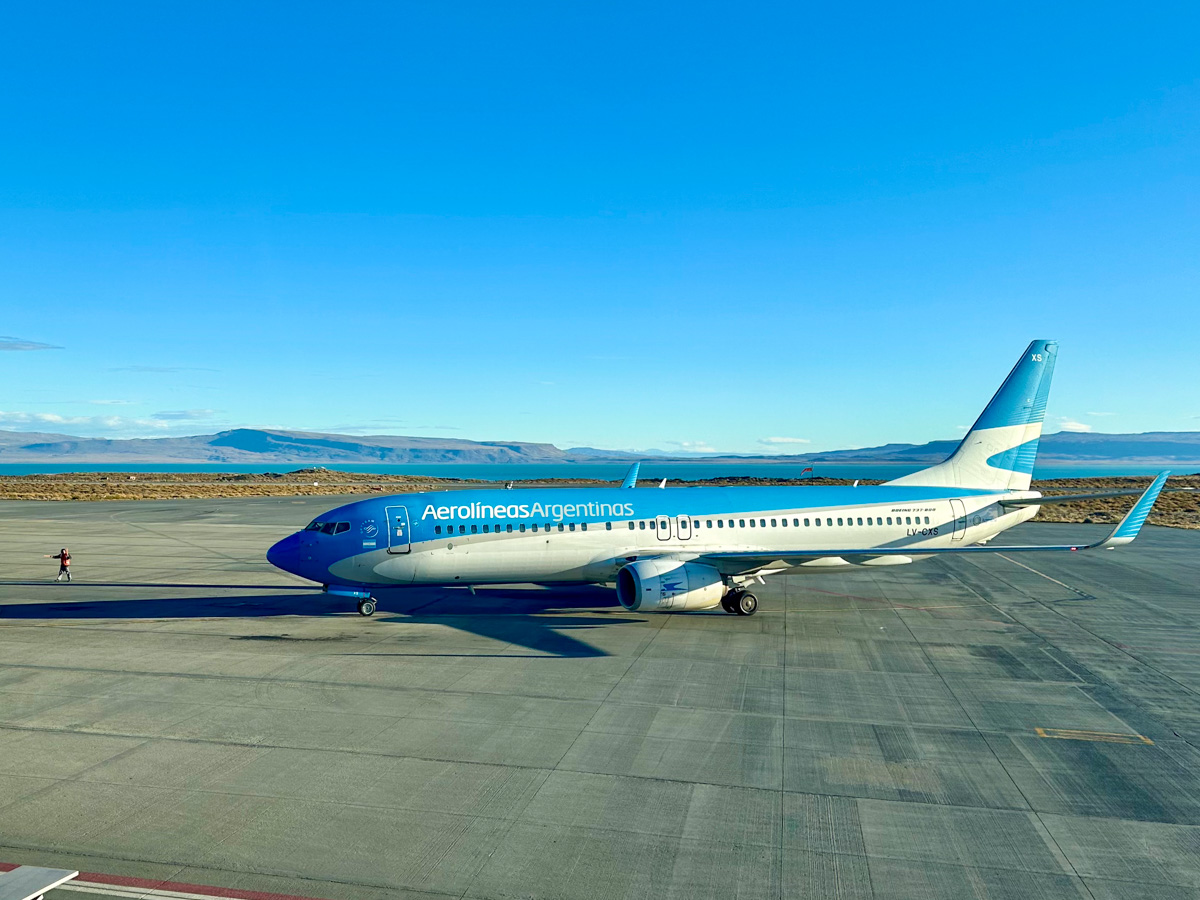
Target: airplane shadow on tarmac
point(530, 618)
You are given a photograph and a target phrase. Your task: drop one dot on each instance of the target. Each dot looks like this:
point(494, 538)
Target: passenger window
point(742, 523)
point(535, 526)
point(508, 527)
point(839, 521)
point(829, 523)
point(927, 520)
point(806, 523)
point(642, 524)
point(608, 526)
point(560, 526)
point(908, 520)
point(818, 522)
point(731, 523)
point(485, 528)
point(462, 529)
point(437, 529)
point(653, 524)
point(889, 520)
point(796, 523)
point(708, 523)
point(860, 520)
point(631, 526)
point(571, 527)
point(762, 522)
point(782, 522)
point(869, 522)
point(474, 529)
point(695, 524)
point(584, 526)
point(522, 526)
point(751, 523)
point(720, 523)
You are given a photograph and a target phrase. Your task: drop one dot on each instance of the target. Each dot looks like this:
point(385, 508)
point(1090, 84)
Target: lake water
point(651, 470)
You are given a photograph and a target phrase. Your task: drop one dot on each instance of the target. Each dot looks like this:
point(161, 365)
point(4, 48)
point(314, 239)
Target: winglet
point(631, 476)
point(1129, 527)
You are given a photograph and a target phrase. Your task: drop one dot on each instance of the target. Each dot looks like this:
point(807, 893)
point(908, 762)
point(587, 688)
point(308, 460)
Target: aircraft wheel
point(747, 604)
point(727, 602)
point(366, 607)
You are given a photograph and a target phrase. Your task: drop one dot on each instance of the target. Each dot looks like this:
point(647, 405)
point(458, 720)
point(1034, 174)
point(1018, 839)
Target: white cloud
point(13, 343)
point(693, 446)
point(1101, 414)
point(25, 421)
point(784, 440)
point(1071, 425)
point(111, 402)
point(184, 415)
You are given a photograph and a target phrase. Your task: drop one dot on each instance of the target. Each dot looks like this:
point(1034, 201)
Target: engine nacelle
point(667, 585)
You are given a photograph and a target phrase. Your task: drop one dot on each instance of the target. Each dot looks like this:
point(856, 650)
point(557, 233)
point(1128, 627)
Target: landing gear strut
point(740, 603)
point(366, 607)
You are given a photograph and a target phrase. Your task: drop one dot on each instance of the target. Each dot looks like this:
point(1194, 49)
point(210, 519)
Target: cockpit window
point(328, 527)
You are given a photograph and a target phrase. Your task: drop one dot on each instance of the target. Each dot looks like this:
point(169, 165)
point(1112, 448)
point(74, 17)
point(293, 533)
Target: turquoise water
point(651, 470)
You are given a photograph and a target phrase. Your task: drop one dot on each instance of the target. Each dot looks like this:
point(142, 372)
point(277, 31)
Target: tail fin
point(999, 451)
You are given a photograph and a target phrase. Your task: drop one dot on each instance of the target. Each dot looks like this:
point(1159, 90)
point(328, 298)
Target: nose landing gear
point(739, 603)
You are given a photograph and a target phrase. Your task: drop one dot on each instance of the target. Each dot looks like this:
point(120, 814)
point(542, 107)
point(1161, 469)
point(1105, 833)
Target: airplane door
point(398, 537)
point(664, 528)
point(683, 527)
point(959, 512)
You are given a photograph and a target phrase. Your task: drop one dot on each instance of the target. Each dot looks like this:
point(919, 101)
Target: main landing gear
point(739, 603)
point(366, 607)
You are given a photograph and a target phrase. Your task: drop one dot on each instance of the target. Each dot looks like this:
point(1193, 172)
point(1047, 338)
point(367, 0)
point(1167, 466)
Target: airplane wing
point(1125, 532)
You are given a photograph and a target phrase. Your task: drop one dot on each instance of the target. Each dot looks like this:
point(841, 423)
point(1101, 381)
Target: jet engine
point(668, 585)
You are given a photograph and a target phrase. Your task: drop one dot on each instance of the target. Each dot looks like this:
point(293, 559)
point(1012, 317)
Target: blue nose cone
point(284, 555)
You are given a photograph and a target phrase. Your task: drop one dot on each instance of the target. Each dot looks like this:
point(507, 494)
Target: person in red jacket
point(64, 563)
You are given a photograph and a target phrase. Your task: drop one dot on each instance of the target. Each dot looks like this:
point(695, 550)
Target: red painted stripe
point(182, 887)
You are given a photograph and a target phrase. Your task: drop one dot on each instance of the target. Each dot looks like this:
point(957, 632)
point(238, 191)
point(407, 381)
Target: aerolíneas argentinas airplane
point(699, 547)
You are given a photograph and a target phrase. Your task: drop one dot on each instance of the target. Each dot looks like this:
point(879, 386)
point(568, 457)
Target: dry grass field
point(1179, 506)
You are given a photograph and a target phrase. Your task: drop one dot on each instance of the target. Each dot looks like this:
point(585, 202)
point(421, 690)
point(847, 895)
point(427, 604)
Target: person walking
point(64, 563)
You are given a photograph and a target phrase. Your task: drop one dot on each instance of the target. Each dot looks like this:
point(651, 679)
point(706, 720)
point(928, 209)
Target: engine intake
point(667, 585)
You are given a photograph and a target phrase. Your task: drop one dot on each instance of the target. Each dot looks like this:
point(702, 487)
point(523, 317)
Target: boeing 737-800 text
point(700, 547)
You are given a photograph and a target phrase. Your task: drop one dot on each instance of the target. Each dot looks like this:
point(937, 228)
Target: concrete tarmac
point(996, 726)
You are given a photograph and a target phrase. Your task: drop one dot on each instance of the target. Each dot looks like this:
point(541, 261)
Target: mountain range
point(249, 446)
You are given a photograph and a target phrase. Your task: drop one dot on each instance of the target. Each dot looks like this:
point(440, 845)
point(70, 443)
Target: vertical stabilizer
point(999, 451)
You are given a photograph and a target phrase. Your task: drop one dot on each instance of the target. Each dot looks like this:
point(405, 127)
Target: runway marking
point(134, 888)
point(1107, 737)
point(1082, 594)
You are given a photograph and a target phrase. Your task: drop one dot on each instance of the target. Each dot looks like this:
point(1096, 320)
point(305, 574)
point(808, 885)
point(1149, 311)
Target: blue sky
point(739, 227)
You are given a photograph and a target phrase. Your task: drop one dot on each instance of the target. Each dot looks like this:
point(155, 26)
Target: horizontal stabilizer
point(1066, 498)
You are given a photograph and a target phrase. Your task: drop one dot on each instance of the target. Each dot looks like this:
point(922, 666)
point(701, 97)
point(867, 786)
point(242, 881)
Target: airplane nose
point(282, 555)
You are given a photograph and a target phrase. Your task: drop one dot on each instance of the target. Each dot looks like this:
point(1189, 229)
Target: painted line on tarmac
point(133, 888)
point(1083, 594)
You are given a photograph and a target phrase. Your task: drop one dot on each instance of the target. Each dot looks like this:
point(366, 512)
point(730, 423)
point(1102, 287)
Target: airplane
point(698, 548)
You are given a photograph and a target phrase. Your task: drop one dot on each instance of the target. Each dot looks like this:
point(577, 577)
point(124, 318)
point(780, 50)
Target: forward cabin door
point(683, 528)
point(959, 512)
point(399, 540)
point(663, 528)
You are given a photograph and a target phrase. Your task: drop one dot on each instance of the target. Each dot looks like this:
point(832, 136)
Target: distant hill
point(1063, 447)
point(251, 446)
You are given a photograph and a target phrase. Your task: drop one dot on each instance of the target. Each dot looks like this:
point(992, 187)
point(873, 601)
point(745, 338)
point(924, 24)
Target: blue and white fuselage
point(698, 547)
